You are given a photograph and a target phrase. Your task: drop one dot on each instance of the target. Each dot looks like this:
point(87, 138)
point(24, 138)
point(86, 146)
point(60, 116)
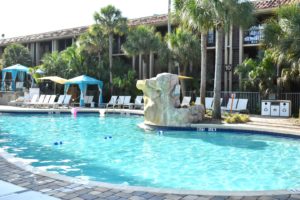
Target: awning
point(82, 82)
point(55, 79)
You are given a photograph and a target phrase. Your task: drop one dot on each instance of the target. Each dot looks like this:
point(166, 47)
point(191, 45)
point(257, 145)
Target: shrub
point(236, 118)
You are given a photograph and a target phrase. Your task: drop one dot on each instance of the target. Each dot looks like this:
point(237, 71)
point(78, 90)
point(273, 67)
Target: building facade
point(239, 44)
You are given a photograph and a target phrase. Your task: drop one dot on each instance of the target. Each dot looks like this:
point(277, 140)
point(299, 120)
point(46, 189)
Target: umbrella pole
point(54, 88)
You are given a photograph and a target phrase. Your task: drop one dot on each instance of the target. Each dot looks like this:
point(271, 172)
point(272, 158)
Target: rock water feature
point(162, 102)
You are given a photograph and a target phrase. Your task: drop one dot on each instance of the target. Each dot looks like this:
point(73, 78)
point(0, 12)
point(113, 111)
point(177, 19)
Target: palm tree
point(197, 15)
point(226, 13)
point(282, 38)
point(221, 14)
point(94, 42)
point(112, 22)
point(185, 48)
point(142, 40)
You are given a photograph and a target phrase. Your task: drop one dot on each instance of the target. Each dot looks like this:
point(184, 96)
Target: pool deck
point(29, 183)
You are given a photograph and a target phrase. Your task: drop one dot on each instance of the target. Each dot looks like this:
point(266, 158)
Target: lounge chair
point(241, 106)
point(120, 102)
point(45, 101)
point(186, 101)
point(197, 101)
point(66, 102)
point(230, 105)
point(90, 100)
point(38, 102)
point(209, 103)
point(127, 103)
point(59, 101)
point(138, 102)
point(112, 102)
point(51, 101)
point(32, 101)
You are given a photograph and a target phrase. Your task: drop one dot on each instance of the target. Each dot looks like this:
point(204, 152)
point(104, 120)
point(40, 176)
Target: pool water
point(114, 149)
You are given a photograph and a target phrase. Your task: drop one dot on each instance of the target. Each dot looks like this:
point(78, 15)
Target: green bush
point(236, 118)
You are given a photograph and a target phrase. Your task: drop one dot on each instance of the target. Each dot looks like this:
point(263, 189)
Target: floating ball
point(55, 143)
point(60, 142)
point(105, 137)
point(110, 137)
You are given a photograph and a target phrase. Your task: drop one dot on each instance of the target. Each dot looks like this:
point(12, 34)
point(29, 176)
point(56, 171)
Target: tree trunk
point(203, 67)
point(182, 81)
point(144, 70)
point(151, 60)
point(110, 62)
point(140, 65)
point(169, 32)
point(133, 63)
point(218, 72)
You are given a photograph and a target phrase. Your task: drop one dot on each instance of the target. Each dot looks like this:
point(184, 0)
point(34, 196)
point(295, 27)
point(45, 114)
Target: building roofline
point(262, 7)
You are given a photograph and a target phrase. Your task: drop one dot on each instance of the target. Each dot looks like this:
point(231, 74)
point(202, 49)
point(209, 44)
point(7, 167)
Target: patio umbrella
point(55, 79)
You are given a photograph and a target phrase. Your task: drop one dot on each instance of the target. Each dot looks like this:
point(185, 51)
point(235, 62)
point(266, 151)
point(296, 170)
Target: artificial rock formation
point(161, 102)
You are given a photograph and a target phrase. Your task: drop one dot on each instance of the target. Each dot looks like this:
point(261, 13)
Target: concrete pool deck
point(15, 171)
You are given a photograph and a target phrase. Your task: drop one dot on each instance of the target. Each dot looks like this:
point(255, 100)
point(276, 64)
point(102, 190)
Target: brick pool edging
point(15, 171)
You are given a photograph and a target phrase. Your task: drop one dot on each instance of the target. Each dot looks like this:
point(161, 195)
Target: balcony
point(254, 35)
point(211, 38)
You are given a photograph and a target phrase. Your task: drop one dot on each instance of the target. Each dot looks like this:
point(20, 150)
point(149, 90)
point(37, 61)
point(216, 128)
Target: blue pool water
point(113, 149)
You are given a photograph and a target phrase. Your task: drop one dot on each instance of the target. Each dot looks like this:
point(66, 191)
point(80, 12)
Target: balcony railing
point(254, 35)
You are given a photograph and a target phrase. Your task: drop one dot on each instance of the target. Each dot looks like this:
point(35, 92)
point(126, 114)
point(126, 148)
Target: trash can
point(266, 108)
point(285, 109)
point(275, 109)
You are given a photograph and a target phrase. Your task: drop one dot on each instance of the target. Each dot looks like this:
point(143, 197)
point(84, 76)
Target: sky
point(23, 17)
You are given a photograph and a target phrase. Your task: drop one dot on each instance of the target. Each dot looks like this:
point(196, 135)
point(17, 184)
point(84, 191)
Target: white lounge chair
point(59, 101)
point(241, 105)
point(51, 101)
point(32, 101)
point(138, 102)
point(209, 103)
point(127, 103)
point(46, 101)
point(38, 102)
point(186, 101)
point(67, 100)
point(197, 101)
point(120, 102)
point(112, 102)
point(230, 105)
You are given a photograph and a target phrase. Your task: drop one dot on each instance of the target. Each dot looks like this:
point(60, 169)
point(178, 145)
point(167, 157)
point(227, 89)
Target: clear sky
point(22, 17)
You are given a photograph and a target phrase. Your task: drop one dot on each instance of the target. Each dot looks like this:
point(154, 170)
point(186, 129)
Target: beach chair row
point(236, 105)
point(124, 102)
point(48, 101)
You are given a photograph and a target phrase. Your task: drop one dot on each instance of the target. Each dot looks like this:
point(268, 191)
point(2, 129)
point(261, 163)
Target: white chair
point(59, 101)
point(209, 103)
point(32, 101)
point(127, 103)
point(197, 101)
point(120, 102)
point(112, 102)
point(39, 101)
point(230, 105)
point(186, 101)
point(138, 102)
point(241, 105)
point(67, 100)
point(46, 100)
point(51, 101)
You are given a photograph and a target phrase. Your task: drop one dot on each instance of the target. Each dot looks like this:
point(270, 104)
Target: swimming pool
point(114, 150)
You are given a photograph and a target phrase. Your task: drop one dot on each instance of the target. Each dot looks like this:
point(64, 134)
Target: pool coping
point(210, 127)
